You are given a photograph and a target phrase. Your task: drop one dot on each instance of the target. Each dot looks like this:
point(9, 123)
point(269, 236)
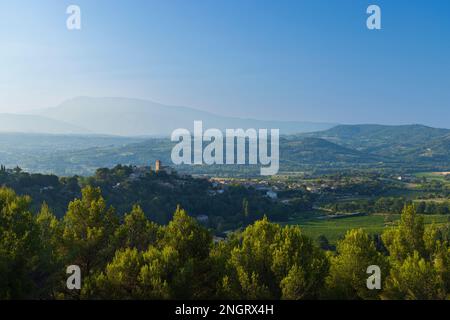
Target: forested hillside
point(135, 258)
point(158, 194)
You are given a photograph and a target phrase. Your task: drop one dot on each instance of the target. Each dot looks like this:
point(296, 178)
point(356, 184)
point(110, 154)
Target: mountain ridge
point(413, 148)
point(30, 123)
point(138, 117)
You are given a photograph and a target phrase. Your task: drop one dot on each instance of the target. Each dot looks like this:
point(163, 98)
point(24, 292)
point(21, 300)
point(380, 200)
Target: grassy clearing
point(334, 229)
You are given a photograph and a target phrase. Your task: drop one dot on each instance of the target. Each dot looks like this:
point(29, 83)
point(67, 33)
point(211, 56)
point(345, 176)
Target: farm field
point(334, 229)
point(440, 176)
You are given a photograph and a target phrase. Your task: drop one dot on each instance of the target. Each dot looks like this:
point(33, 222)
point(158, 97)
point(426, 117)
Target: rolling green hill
point(405, 145)
point(384, 140)
point(315, 150)
point(411, 148)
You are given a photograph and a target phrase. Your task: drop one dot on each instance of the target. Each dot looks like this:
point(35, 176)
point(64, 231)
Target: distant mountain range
point(346, 147)
point(83, 134)
point(133, 117)
point(37, 124)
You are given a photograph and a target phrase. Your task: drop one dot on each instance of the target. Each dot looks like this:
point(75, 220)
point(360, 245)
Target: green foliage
point(192, 244)
point(50, 258)
point(88, 230)
point(120, 279)
point(403, 240)
point(134, 258)
point(160, 273)
point(186, 236)
point(136, 231)
point(414, 278)
point(19, 246)
point(355, 253)
point(268, 255)
point(418, 258)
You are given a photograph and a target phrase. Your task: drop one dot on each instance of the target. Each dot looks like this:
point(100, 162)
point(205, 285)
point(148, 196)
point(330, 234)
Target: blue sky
point(307, 60)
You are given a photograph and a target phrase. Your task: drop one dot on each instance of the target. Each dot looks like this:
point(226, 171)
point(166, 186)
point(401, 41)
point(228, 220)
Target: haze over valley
point(69, 150)
point(133, 117)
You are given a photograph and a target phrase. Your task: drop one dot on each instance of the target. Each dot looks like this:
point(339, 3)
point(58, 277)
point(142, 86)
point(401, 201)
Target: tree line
point(392, 205)
point(157, 194)
point(135, 258)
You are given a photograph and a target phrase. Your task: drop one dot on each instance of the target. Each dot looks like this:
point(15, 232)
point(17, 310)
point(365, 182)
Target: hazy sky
point(308, 60)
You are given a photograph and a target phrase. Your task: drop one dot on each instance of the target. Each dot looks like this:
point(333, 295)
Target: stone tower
point(157, 165)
